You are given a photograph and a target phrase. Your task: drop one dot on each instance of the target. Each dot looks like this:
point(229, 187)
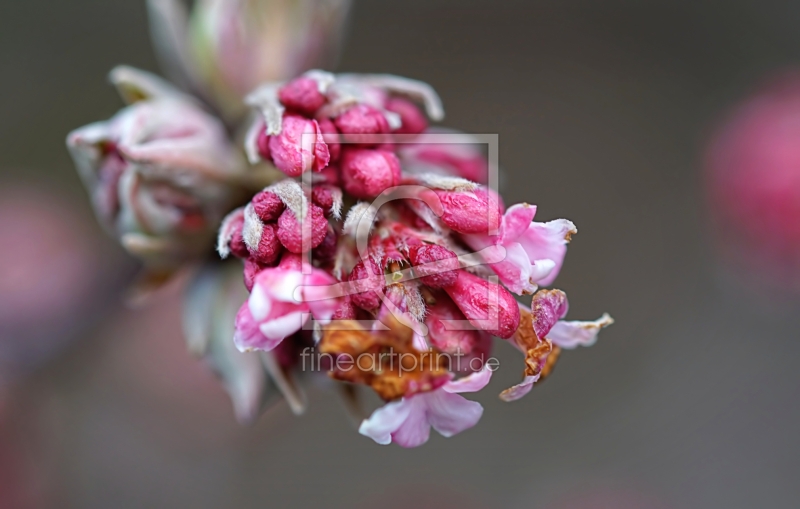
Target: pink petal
point(385, 421)
point(415, 429)
point(573, 334)
point(521, 389)
point(450, 414)
point(277, 329)
point(279, 284)
point(548, 241)
point(516, 221)
point(515, 270)
point(246, 335)
point(260, 302)
point(472, 383)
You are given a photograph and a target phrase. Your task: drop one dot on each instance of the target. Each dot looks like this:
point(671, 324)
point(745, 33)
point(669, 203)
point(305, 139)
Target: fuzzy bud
point(331, 136)
point(487, 306)
point(435, 265)
point(269, 247)
point(323, 198)
point(413, 120)
point(290, 231)
point(367, 278)
point(236, 243)
point(367, 173)
point(299, 147)
point(361, 119)
point(346, 310)
point(302, 94)
point(268, 206)
point(262, 145)
point(476, 211)
point(326, 251)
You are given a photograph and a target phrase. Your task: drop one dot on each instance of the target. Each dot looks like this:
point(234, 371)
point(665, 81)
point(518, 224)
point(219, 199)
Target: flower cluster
point(367, 239)
point(422, 261)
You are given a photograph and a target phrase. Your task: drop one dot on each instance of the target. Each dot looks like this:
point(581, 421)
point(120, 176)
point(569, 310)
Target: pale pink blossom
point(534, 251)
point(282, 300)
point(408, 421)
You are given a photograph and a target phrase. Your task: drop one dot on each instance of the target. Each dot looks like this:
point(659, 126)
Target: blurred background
point(607, 114)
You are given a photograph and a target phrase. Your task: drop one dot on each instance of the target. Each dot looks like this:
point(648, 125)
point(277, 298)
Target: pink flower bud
point(413, 120)
point(461, 157)
point(291, 232)
point(470, 347)
point(237, 246)
point(331, 136)
point(435, 265)
point(487, 306)
point(328, 175)
point(163, 174)
point(268, 206)
point(302, 94)
point(360, 120)
point(476, 211)
point(269, 247)
point(346, 310)
point(262, 145)
point(323, 198)
point(326, 251)
point(367, 278)
point(299, 147)
point(230, 240)
point(367, 173)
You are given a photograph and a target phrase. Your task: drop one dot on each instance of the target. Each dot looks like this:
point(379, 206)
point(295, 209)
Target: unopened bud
point(359, 120)
point(367, 173)
point(488, 306)
point(302, 94)
point(331, 136)
point(367, 279)
point(326, 251)
point(269, 247)
point(262, 145)
point(413, 120)
point(291, 232)
point(268, 206)
point(435, 265)
point(299, 147)
point(477, 211)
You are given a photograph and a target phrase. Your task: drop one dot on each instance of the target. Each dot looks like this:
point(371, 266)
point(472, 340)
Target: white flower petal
point(571, 334)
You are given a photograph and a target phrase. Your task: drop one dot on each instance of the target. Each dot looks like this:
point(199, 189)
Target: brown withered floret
point(384, 360)
point(540, 354)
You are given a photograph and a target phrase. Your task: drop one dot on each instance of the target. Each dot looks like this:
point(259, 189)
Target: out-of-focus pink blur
point(50, 272)
point(753, 183)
